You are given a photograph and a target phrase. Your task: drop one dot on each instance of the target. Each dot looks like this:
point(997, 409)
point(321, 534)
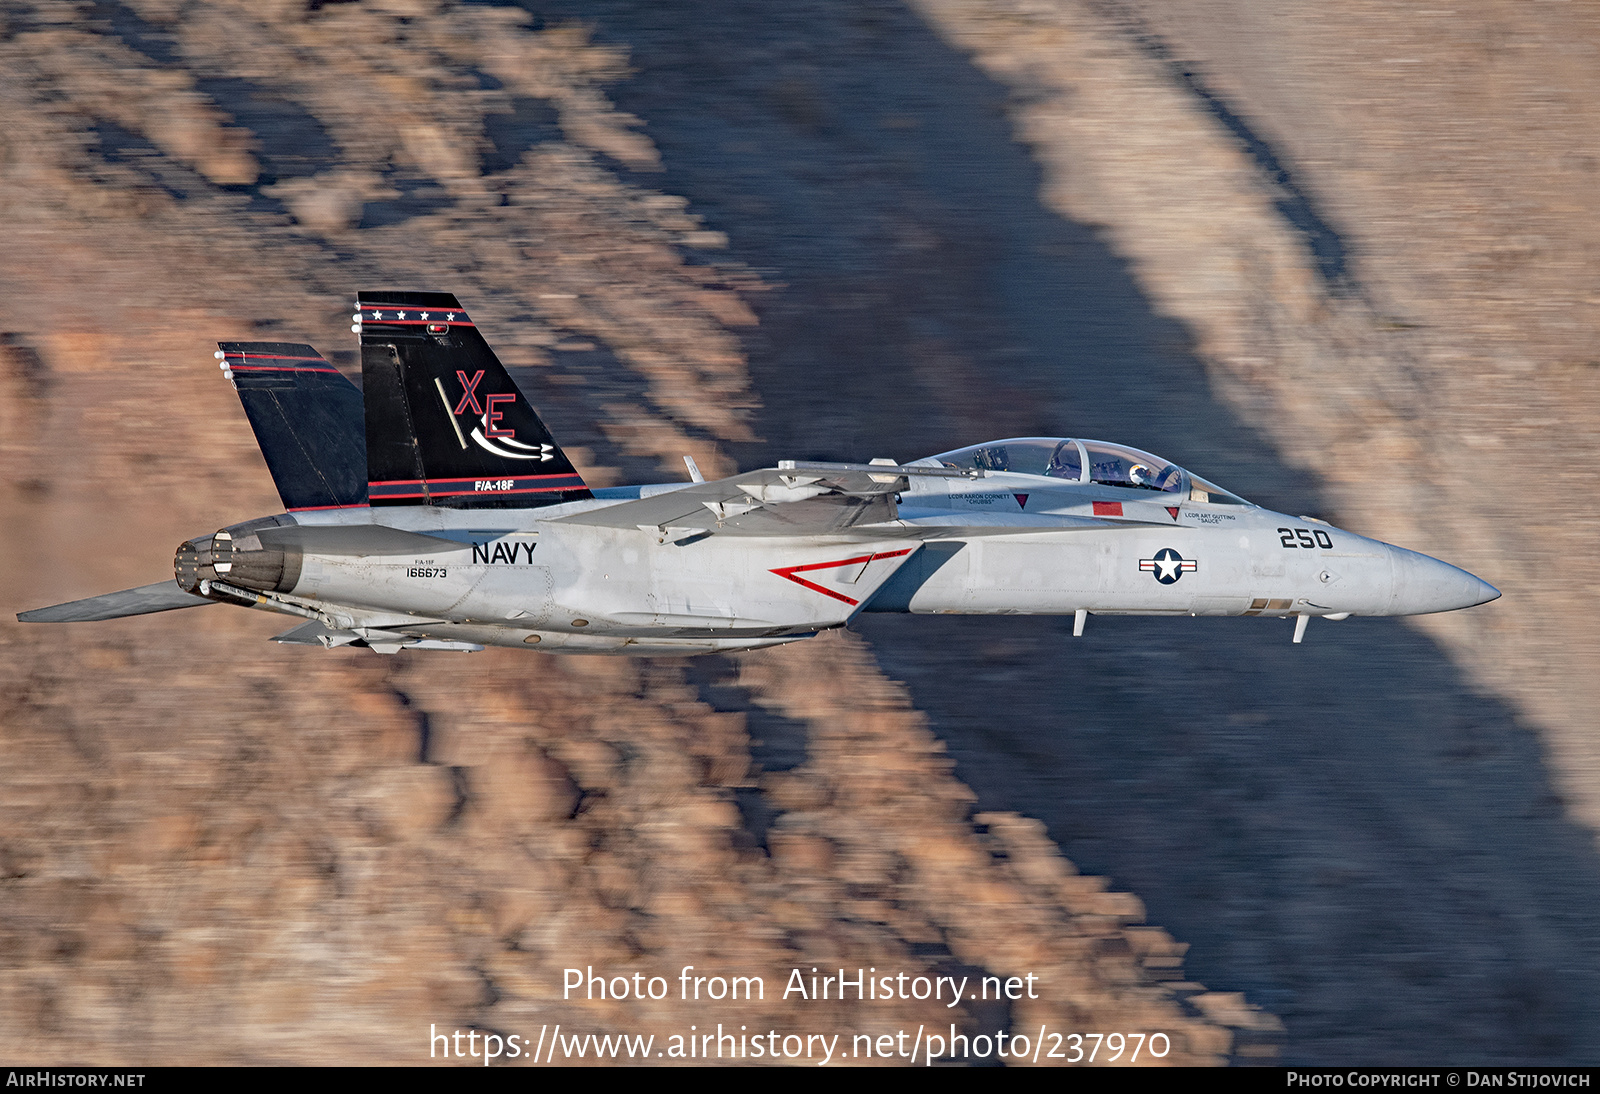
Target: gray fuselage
point(999, 544)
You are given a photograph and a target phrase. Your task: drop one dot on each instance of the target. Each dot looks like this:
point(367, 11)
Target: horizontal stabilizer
point(161, 597)
point(315, 634)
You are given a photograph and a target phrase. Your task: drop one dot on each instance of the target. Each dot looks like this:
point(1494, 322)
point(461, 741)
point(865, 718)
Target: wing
point(161, 597)
point(817, 499)
point(970, 525)
point(788, 500)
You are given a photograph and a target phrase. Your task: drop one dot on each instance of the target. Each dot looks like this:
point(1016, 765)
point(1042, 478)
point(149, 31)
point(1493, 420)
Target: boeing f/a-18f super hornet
point(432, 509)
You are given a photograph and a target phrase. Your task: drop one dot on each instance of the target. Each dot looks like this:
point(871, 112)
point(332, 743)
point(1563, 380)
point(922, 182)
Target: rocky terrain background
point(216, 849)
point(1342, 260)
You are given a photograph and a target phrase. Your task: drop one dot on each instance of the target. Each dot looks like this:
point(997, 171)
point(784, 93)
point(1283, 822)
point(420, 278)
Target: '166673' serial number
point(427, 571)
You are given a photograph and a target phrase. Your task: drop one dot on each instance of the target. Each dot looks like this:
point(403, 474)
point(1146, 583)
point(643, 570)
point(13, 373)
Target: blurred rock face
point(1341, 253)
point(1381, 228)
point(1210, 229)
point(312, 858)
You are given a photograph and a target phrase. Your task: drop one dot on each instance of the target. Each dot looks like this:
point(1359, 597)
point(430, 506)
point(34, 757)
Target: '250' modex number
point(1304, 537)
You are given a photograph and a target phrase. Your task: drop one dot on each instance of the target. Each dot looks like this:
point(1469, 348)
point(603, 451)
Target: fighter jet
point(432, 510)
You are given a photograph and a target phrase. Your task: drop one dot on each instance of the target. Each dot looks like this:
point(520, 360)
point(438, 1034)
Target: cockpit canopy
point(1084, 462)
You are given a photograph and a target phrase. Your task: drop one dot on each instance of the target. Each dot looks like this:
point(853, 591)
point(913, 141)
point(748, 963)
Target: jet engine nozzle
point(236, 555)
point(194, 564)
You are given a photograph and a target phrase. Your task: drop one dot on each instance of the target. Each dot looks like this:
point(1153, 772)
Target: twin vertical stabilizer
point(437, 421)
point(307, 420)
point(446, 425)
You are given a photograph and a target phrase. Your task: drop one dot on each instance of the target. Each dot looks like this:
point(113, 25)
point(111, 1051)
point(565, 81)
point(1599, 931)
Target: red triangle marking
point(1022, 500)
point(1173, 509)
point(790, 572)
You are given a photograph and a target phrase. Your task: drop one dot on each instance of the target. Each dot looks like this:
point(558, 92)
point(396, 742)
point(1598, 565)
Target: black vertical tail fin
point(446, 424)
point(307, 419)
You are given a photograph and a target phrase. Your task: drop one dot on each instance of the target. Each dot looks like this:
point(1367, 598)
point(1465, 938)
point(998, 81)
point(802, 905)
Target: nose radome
point(1482, 591)
point(1423, 584)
